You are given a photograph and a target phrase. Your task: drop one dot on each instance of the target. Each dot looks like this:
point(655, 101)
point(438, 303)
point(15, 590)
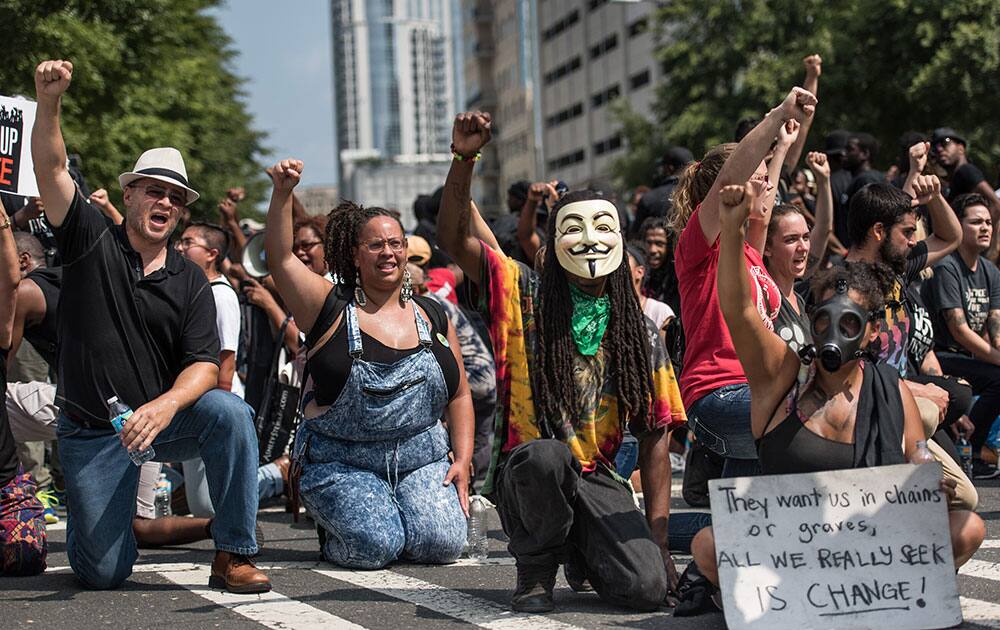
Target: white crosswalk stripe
point(457, 604)
point(981, 569)
point(271, 610)
point(983, 614)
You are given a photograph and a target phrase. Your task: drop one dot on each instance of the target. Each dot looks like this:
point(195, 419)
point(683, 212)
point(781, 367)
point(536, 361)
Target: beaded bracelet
point(462, 158)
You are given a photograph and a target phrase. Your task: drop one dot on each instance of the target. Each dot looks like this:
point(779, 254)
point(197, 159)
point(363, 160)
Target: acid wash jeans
point(373, 464)
point(101, 484)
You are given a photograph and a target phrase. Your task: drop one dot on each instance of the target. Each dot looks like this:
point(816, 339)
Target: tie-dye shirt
point(508, 296)
point(894, 332)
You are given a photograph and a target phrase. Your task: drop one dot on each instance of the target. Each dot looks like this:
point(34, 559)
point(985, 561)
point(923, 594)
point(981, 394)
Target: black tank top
point(43, 336)
point(8, 452)
point(331, 365)
point(791, 447)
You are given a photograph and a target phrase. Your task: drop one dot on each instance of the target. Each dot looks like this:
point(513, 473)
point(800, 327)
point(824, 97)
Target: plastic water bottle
point(922, 455)
point(478, 543)
point(965, 453)
point(119, 413)
point(161, 497)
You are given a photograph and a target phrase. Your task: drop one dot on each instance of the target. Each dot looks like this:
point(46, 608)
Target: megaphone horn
point(254, 256)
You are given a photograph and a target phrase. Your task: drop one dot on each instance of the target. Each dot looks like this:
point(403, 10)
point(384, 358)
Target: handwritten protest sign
point(865, 548)
point(17, 175)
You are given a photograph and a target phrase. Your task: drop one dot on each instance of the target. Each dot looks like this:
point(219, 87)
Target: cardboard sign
point(864, 548)
point(17, 174)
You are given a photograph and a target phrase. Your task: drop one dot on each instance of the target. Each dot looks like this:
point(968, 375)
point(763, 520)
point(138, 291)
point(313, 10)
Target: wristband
point(465, 158)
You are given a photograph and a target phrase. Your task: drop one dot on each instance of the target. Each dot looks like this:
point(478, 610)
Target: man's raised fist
point(286, 174)
point(52, 78)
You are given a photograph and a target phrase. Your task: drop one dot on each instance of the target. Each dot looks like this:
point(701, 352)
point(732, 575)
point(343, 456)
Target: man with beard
point(576, 361)
point(883, 225)
point(139, 326)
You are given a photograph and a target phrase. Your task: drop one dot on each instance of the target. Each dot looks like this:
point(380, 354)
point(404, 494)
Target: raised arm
point(48, 151)
point(455, 233)
point(947, 234)
point(918, 160)
point(749, 153)
point(823, 224)
point(10, 277)
point(760, 216)
point(527, 237)
point(302, 290)
point(100, 199)
point(481, 229)
point(814, 67)
point(230, 220)
point(767, 361)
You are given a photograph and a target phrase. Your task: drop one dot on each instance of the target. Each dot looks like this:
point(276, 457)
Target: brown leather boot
point(534, 587)
point(283, 463)
point(237, 574)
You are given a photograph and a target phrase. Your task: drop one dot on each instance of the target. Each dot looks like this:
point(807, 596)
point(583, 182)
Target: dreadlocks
point(625, 342)
point(342, 230)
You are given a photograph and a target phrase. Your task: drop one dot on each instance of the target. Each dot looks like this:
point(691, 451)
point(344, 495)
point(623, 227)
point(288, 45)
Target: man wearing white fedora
point(137, 321)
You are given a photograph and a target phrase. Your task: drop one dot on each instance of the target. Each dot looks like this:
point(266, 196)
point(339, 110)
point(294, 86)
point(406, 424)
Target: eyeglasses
point(156, 193)
point(188, 243)
point(305, 246)
point(377, 245)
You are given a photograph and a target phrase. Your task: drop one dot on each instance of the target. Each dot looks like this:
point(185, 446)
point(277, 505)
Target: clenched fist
point(918, 156)
point(52, 78)
point(286, 174)
point(925, 188)
point(818, 165)
point(471, 132)
point(734, 205)
point(798, 105)
point(814, 65)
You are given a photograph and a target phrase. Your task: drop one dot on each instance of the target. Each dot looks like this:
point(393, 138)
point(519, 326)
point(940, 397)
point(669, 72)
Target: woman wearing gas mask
point(848, 412)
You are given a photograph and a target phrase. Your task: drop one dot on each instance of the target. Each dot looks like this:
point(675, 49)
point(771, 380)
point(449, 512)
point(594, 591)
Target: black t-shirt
point(891, 345)
point(330, 367)
point(964, 180)
point(840, 183)
point(862, 179)
point(954, 285)
point(921, 328)
point(8, 450)
point(655, 203)
point(120, 333)
point(44, 335)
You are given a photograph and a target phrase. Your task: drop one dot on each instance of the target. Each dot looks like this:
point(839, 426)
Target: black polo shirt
point(122, 334)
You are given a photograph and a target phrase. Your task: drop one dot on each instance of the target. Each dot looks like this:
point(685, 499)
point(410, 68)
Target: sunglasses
point(154, 192)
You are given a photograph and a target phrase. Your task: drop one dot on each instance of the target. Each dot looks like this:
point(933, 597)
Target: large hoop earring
point(359, 293)
point(407, 291)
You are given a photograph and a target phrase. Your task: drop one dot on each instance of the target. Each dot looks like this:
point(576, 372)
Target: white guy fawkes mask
point(588, 238)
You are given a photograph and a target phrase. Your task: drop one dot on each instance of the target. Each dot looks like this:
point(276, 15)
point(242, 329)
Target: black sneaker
point(696, 594)
point(982, 470)
point(534, 587)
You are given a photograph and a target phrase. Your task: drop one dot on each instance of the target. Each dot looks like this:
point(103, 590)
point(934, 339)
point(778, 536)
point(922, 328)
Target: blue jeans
point(101, 484)
point(627, 457)
point(269, 484)
point(682, 527)
point(721, 420)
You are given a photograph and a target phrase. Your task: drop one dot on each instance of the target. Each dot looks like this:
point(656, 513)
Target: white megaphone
point(254, 256)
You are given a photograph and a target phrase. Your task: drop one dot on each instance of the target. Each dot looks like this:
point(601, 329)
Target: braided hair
point(626, 343)
point(343, 228)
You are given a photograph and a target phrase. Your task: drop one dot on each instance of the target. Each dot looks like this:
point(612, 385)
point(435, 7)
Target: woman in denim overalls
point(375, 469)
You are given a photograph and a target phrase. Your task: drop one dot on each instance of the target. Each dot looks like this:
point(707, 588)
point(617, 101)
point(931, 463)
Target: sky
point(285, 56)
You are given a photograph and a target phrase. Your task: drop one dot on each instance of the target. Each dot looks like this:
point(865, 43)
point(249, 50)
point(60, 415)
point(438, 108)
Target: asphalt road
point(169, 590)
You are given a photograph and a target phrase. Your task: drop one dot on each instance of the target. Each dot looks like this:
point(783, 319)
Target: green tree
point(146, 73)
point(889, 66)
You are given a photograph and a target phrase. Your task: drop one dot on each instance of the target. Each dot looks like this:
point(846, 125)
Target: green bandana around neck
point(590, 320)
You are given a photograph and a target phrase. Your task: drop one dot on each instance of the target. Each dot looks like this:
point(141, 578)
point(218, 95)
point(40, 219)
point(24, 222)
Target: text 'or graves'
point(864, 548)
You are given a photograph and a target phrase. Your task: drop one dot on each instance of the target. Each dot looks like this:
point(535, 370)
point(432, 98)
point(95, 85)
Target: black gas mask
point(838, 329)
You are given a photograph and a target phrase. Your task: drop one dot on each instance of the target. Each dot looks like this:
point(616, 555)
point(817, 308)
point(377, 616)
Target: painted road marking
point(981, 569)
point(985, 614)
point(271, 610)
point(468, 608)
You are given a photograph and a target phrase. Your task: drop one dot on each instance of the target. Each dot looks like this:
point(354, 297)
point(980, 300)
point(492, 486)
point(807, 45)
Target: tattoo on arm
point(993, 325)
point(955, 317)
point(932, 371)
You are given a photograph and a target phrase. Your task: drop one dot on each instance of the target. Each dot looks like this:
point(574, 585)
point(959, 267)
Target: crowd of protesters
point(744, 315)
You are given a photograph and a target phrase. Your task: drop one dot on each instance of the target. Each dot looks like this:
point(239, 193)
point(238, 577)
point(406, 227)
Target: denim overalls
point(374, 463)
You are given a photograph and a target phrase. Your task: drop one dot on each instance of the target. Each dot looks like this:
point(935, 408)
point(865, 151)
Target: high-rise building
point(591, 53)
point(397, 83)
point(501, 77)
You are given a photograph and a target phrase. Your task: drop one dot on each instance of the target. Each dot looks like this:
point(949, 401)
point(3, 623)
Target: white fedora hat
point(164, 164)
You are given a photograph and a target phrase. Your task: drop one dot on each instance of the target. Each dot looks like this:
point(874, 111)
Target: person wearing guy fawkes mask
point(850, 412)
point(576, 360)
